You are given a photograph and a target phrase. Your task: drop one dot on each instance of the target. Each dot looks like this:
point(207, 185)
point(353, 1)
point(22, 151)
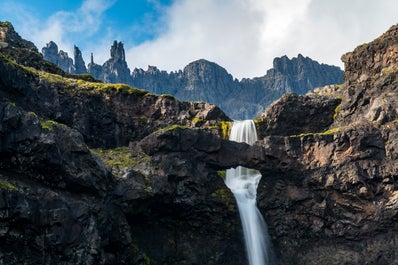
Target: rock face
point(115, 70)
point(60, 58)
point(80, 65)
point(328, 160)
point(206, 81)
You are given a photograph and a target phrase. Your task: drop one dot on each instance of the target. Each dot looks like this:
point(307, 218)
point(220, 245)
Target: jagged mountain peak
point(205, 69)
point(117, 51)
point(12, 38)
point(203, 80)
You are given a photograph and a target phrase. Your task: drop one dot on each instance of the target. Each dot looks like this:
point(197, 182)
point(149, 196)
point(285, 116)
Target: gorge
point(96, 173)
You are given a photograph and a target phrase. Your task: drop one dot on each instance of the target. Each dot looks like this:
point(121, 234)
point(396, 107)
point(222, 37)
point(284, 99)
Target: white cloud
point(64, 28)
point(245, 35)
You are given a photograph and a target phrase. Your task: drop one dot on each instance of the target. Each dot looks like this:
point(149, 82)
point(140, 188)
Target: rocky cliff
point(94, 173)
point(206, 81)
point(60, 203)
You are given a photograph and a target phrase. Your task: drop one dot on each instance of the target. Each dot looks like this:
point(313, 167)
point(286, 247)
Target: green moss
point(48, 124)
point(85, 77)
point(336, 111)
point(6, 24)
point(388, 70)
point(120, 158)
point(328, 132)
point(225, 196)
point(173, 127)
point(122, 88)
point(7, 186)
point(225, 127)
point(86, 82)
point(32, 113)
point(197, 121)
point(222, 174)
point(167, 96)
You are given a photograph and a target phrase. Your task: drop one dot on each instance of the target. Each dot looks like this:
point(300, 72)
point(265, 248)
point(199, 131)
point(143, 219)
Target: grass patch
point(48, 125)
point(7, 186)
point(328, 132)
point(86, 82)
point(173, 127)
point(117, 157)
point(120, 158)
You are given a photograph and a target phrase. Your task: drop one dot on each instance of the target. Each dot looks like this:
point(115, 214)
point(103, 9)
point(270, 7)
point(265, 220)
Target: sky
point(243, 36)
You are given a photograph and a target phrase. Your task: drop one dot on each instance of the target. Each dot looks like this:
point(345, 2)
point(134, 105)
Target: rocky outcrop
point(80, 65)
point(294, 115)
point(95, 69)
point(60, 58)
point(115, 70)
point(11, 37)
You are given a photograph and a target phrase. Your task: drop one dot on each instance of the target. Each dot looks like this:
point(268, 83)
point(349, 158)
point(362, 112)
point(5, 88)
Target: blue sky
point(244, 36)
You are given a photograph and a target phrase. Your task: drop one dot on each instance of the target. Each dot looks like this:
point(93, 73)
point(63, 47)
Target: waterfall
point(243, 183)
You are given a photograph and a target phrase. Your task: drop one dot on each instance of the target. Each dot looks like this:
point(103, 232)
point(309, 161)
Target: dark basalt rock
point(294, 115)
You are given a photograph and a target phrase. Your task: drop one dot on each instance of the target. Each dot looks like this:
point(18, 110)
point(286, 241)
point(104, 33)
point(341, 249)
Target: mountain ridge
point(203, 80)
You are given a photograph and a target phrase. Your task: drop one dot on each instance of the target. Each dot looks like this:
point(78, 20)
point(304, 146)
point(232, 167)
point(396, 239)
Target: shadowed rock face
point(328, 160)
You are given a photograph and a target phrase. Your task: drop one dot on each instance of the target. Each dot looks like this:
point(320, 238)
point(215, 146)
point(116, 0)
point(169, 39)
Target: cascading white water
point(243, 183)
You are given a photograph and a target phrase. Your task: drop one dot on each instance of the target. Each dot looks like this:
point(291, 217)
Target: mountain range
point(203, 80)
